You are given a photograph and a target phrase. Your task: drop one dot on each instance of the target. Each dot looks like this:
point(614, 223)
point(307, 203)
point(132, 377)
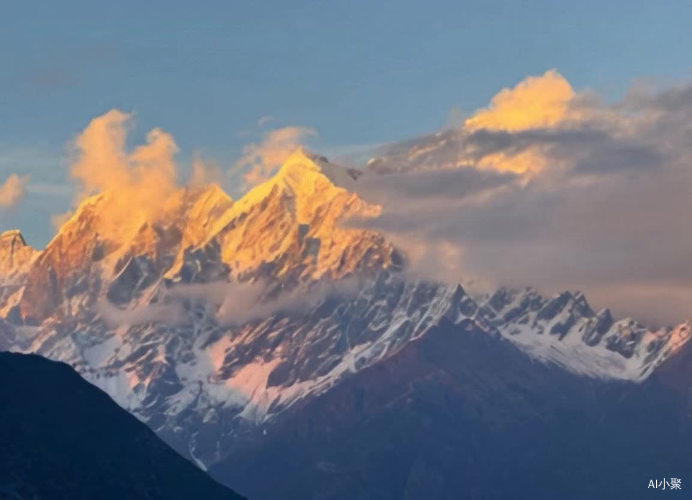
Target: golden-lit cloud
point(261, 160)
point(535, 102)
point(138, 185)
point(571, 192)
point(12, 190)
point(103, 164)
point(526, 162)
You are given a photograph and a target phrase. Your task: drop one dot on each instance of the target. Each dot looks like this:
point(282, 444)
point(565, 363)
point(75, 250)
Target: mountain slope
point(63, 438)
point(202, 384)
point(460, 414)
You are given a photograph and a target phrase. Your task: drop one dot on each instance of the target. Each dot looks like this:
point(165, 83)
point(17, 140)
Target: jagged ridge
point(288, 227)
point(201, 383)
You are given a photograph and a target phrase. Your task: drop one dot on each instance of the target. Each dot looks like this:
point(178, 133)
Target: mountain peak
point(204, 206)
point(300, 176)
point(293, 221)
point(301, 160)
point(12, 237)
point(289, 226)
point(15, 254)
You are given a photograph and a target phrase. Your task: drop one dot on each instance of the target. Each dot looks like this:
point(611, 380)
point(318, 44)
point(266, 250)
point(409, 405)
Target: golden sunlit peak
point(15, 254)
point(301, 170)
point(300, 160)
point(300, 173)
point(13, 237)
point(208, 195)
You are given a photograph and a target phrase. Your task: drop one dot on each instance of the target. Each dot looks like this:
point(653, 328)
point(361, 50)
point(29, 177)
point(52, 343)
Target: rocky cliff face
point(15, 259)
point(15, 254)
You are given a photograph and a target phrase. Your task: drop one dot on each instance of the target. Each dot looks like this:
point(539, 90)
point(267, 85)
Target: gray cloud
point(607, 213)
point(114, 316)
point(231, 303)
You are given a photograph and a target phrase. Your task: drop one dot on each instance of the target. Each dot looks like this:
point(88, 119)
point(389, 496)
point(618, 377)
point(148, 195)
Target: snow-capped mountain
point(216, 318)
point(284, 228)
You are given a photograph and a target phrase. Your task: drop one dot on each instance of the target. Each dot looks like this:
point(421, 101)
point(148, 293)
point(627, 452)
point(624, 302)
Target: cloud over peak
point(553, 188)
point(260, 160)
point(138, 185)
point(535, 102)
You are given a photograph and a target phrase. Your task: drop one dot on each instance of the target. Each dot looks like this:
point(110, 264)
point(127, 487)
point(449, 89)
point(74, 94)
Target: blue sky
point(358, 72)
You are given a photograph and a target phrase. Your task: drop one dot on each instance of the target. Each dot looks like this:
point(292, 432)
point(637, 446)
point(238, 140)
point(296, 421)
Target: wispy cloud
point(51, 189)
point(231, 303)
point(263, 120)
point(113, 316)
point(13, 190)
point(260, 160)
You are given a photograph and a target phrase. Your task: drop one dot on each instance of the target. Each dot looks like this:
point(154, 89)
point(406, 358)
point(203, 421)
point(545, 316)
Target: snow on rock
point(116, 311)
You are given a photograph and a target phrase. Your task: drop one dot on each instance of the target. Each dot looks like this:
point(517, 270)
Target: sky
point(347, 77)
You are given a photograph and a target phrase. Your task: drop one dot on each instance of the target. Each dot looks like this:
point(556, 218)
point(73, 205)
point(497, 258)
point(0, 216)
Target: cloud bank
point(551, 188)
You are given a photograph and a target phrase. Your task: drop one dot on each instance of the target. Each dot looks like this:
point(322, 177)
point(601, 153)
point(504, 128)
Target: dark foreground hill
point(62, 438)
point(458, 414)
